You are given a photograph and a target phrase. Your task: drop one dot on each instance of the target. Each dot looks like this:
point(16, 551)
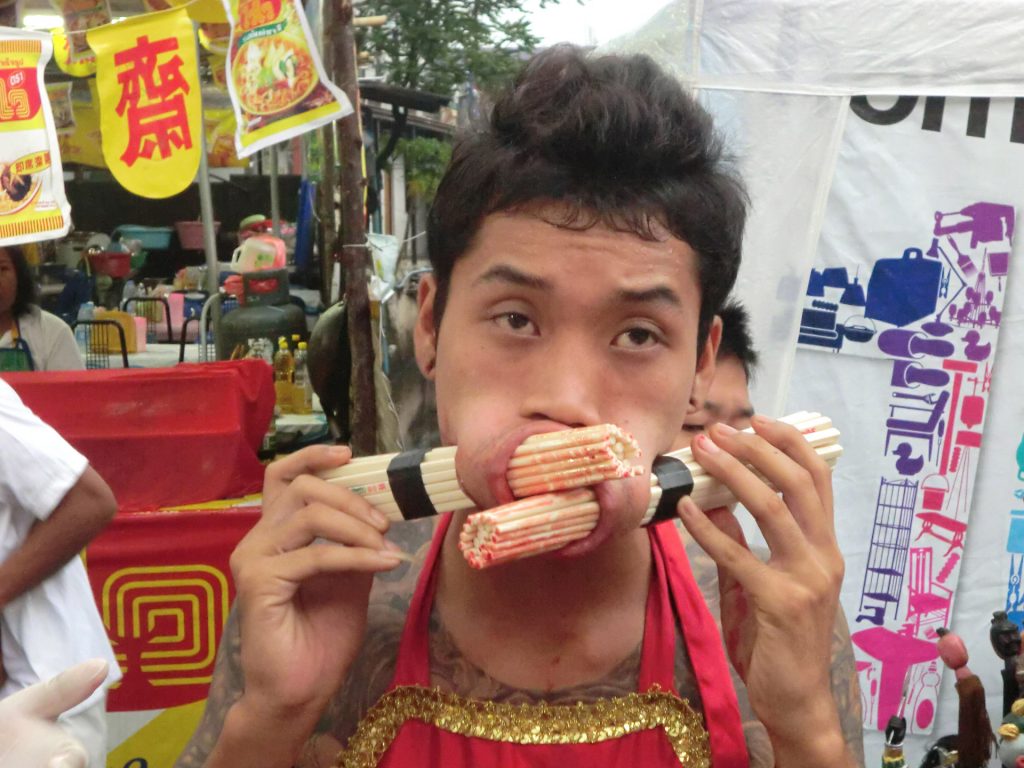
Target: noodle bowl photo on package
point(273, 74)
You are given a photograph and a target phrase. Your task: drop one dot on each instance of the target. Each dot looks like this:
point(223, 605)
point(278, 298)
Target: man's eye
point(693, 427)
point(636, 338)
point(515, 321)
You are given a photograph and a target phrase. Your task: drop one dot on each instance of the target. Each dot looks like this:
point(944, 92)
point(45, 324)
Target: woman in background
point(30, 338)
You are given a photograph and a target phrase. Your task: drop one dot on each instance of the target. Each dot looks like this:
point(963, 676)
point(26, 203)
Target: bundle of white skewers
point(551, 475)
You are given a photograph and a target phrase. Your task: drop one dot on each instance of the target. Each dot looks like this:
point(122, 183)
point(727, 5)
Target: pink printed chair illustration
point(928, 602)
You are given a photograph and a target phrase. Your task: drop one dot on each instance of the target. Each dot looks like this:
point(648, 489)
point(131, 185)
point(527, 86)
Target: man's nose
point(566, 387)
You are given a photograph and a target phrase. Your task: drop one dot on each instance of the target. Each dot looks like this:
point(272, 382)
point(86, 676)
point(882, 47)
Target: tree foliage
point(437, 45)
point(425, 162)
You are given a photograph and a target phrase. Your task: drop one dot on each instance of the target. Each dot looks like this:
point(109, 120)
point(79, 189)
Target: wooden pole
point(326, 193)
point(355, 256)
point(328, 212)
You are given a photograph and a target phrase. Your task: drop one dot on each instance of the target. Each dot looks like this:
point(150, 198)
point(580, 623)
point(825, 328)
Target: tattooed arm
point(843, 672)
point(225, 689)
point(368, 678)
point(846, 688)
point(845, 692)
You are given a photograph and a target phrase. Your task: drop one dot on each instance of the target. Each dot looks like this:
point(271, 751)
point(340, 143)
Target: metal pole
point(206, 214)
point(275, 192)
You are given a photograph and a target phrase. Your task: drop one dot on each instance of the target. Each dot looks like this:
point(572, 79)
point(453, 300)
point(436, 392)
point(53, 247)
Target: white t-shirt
point(49, 339)
point(55, 624)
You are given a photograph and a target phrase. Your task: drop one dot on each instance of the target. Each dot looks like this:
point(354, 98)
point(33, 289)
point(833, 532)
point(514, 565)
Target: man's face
point(547, 328)
point(728, 401)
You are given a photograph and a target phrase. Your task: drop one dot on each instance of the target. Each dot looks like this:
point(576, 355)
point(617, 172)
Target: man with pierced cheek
point(583, 241)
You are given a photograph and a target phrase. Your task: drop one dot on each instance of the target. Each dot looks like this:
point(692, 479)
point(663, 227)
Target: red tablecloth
point(161, 437)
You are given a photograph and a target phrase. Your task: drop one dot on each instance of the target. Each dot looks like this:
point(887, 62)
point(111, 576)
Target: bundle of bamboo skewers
point(551, 461)
point(553, 471)
point(544, 523)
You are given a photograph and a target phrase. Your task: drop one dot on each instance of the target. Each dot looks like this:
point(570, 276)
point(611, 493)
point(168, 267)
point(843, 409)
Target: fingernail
point(394, 555)
point(760, 419)
point(71, 758)
point(379, 519)
point(97, 667)
point(685, 507)
point(725, 429)
point(707, 444)
point(340, 450)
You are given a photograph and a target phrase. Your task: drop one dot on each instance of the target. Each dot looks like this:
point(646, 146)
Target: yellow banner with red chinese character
point(32, 202)
point(150, 107)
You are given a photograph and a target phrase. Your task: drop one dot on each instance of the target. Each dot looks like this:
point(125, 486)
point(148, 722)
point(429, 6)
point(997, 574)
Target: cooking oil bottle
point(302, 389)
point(284, 376)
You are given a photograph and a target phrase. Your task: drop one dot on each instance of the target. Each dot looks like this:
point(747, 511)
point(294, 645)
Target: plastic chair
point(227, 303)
point(184, 336)
point(149, 321)
point(97, 355)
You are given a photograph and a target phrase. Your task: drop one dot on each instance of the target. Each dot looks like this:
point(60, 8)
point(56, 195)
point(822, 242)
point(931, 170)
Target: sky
point(590, 22)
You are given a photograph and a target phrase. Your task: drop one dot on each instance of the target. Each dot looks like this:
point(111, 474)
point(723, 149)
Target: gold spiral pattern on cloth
point(581, 723)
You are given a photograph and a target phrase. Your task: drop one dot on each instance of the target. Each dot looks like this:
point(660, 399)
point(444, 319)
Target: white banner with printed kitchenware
point(911, 197)
point(32, 202)
point(903, 311)
point(275, 77)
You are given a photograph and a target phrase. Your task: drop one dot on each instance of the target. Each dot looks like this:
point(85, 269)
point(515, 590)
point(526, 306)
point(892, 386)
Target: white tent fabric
point(779, 76)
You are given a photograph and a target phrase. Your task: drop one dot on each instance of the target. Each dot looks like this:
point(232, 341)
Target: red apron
point(416, 725)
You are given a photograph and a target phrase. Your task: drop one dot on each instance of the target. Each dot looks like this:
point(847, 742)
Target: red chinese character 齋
point(153, 93)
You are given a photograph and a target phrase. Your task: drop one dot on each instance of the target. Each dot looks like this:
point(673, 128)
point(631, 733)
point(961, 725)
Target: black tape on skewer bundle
point(406, 481)
point(676, 481)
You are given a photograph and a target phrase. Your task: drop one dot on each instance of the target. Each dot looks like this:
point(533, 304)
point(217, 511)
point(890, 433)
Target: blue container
point(151, 238)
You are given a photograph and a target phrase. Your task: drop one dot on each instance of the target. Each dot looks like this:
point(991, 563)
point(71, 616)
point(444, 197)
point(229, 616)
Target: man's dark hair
point(612, 140)
point(736, 341)
point(27, 293)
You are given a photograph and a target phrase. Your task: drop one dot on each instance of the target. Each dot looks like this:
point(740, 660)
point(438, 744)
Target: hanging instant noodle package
point(32, 202)
point(276, 80)
point(60, 104)
point(83, 145)
point(83, 65)
point(79, 16)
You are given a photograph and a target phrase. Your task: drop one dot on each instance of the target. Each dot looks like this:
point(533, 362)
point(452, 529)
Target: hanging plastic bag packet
point(63, 111)
point(275, 77)
point(79, 16)
point(32, 202)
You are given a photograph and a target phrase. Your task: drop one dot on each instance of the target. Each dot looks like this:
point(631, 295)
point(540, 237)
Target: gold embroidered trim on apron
point(529, 724)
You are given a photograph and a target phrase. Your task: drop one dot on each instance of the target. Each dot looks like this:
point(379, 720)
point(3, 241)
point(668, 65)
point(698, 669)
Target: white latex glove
point(29, 736)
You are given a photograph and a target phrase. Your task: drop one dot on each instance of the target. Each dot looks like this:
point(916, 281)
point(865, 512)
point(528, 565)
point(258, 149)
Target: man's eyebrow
point(712, 407)
point(746, 412)
point(660, 294)
point(504, 273)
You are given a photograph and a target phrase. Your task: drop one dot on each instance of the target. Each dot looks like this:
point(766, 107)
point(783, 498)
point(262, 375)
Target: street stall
point(173, 445)
point(155, 100)
point(181, 445)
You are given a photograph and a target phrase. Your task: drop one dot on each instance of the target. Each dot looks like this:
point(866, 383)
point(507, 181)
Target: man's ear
point(705, 367)
point(425, 333)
